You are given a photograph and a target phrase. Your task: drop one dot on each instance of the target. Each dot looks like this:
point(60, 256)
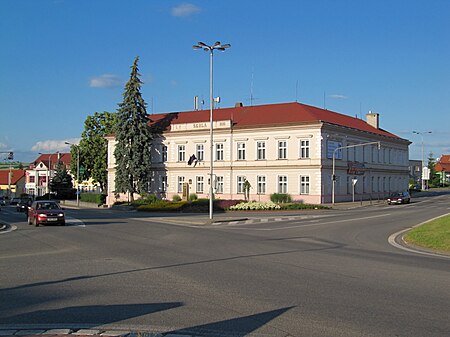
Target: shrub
point(193, 197)
point(225, 204)
point(146, 199)
point(176, 197)
point(95, 198)
point(256, 206)
point(280, 198)
point(162, 206)
point(291, 206)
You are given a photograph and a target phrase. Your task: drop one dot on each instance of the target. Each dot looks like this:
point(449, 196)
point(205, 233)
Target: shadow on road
point(236, 327)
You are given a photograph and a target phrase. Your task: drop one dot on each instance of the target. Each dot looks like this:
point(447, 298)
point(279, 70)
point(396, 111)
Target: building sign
point(331, 147)
point(200, 126)
point(354, 168)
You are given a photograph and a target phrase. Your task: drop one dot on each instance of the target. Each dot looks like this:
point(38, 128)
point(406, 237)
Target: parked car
point(15, 201)
point(43, 212)
point(399, 198)
point(23, 205)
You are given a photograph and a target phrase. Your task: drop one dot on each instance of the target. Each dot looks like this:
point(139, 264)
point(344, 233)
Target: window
point(32, 179)
point(282, 149)
point(282, 184)
point(260, 150)
point(240, 184)
point(163, 183)
point(304, 148)
point(219, 184)
point(164, 153)
point(200, 149)
point(181, 153)
point(219, 151)
point(180, 184)
point(304, 184)
point(240, 151)
point(261, 185)
point(199, 184)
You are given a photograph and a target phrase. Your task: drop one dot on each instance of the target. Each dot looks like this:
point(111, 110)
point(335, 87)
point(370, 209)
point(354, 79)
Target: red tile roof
point(15, 176)
point(269, 115)
point(51, 159)
point(443, 164)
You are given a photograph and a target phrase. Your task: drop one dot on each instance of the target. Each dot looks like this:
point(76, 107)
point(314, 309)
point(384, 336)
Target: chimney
point(238, 105)
point(373, 119)
point(196, 103)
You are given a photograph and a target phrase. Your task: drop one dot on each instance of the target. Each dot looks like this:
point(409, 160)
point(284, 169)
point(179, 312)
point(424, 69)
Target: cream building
point(278, 148)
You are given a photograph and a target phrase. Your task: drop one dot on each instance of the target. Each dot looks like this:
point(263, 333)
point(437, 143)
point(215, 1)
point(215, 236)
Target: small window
point(260, 150)
point(282, 149)
point(219, 151)
point(282, 184)
point(261, 185)
point(304, 148)
point(219, 184)
point(240, 184)
point(199, 184)
point(304, 184)
point(240, 151)
point(200, 149)
point(181, 153)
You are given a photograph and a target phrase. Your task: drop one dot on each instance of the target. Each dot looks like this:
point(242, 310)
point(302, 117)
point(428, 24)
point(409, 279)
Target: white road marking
point(311, 224)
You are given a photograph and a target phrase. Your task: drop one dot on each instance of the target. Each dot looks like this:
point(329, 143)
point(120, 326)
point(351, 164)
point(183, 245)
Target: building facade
point(12, 182)
point(278, 148)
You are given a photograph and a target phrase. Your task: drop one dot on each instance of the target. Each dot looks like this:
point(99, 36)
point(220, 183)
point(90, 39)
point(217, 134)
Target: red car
point(46, 212)
point(399, 198)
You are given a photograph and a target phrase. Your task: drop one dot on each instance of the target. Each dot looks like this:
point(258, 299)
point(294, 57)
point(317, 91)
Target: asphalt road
point(322, 273)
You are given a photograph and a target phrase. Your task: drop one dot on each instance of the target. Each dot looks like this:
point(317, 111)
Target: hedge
point(96, 198)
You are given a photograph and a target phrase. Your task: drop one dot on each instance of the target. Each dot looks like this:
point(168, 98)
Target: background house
point(12, 182)
point(442, 169)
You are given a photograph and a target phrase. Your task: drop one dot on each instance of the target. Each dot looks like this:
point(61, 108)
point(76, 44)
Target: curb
point(397, 240)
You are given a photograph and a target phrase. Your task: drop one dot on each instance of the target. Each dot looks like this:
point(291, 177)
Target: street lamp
point(78, 170)
point(210, 49)
point(423, 160)
point(333, 176)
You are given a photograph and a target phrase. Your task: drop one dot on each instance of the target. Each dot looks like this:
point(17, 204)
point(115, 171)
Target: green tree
point(133, 138)
point(61, 183)
point(94, 148)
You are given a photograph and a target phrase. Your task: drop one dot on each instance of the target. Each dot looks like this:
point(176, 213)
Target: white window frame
point(181, 180)
point(282, 149)
point(304, 184)
point(304, 148)
point(241, 151)
point(163, 185)
point(220, 151)
point(163, 153)
point(200, 152)
point(240, 184)
point(219, 184)
point(260, 150)
point(181, 153)
point(199, 184)
point(282, 184)
point(261, 185)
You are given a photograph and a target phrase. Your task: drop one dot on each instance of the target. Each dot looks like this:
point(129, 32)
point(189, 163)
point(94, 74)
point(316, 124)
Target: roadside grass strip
point(433, 235)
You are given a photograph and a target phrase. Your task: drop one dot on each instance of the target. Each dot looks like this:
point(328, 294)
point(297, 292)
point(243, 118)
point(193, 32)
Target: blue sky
point(62, 60)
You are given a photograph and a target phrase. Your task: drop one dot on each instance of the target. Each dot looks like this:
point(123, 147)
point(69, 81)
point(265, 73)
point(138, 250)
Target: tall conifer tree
point(133, 138)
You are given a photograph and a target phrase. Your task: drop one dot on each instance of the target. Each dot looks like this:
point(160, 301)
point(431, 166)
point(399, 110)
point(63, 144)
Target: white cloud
point(54, 145)
point(337, 96)
point(185, 9)
point(3, 146)
point(106, 81)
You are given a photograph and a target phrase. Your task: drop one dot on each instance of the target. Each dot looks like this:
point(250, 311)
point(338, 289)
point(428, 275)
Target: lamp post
point(78, 170)
point(333, 177)
point(423, 159)
point(210, 49)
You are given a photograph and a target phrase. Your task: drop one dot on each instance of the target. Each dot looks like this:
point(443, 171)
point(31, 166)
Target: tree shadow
point(237, 327)
point(90, 315)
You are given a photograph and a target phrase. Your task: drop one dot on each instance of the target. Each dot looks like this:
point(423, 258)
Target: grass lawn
point(434, 235)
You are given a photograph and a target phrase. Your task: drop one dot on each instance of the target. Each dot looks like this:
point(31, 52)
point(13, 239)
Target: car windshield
point(47, 205)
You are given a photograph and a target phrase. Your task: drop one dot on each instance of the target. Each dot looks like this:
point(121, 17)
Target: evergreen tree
point(61, 183)
point(133, 138)
point(94, 148)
